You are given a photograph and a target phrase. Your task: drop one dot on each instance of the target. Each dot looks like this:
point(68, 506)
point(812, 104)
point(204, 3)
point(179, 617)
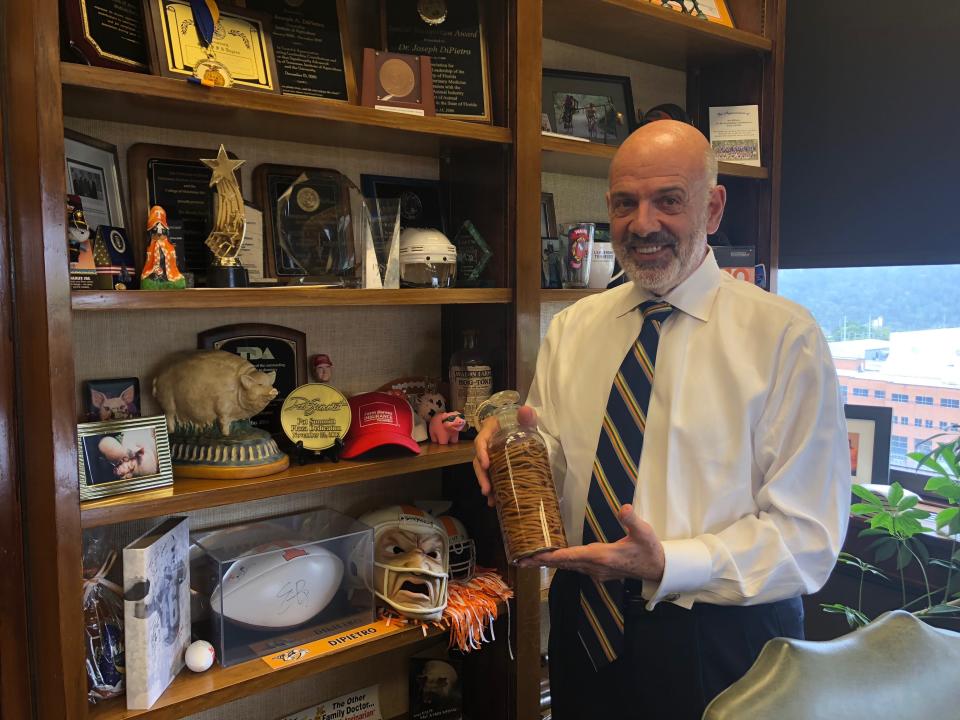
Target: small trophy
point(380, 243)
point(226, 238)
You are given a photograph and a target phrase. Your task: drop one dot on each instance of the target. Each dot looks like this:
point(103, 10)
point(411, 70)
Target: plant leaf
point(945, 516)
point(855, 618)
point(864, 509)
point(908, 502)
point(886, 550)
point(864, 494)
point(941, 609)
point(896, 494)
point(903, 557)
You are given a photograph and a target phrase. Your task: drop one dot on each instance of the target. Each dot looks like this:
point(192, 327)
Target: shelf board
point(571, 157)
point(192, 693)
point(299, 296)
point(571, 295)
point(120, 96)
point(193, 494)
point(639, 30)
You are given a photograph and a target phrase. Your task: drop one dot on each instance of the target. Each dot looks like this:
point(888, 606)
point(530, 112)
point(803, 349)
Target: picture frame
point(398, 82)
point(548, 216)
point(93, 174)
point(121, 456)
point(107, 33)
point(711, 10)
point(421, 201)
point(111, 399)
point(247, 51)
point(589, 106)
point(868, 433)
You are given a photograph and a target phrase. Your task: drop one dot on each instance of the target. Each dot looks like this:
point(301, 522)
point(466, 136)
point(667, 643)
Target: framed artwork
point(588, 106)
point(868, 434)
point(421, 201)
point(712, 10)
point(119, 456)
point(93, 174)
point(112, 399)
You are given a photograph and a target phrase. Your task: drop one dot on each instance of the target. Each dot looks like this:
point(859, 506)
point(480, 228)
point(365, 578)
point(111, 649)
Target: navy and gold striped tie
point(613, 482)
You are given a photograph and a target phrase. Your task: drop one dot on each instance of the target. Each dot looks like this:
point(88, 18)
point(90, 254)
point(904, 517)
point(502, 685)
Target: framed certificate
point(107, 33)
point(241, 46)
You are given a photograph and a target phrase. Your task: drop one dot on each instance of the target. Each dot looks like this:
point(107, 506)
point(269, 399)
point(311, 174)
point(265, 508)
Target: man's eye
point(622, 206)
point(670, 203)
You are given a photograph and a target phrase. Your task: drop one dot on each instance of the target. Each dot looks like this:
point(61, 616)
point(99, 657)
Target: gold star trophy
point(226, 238)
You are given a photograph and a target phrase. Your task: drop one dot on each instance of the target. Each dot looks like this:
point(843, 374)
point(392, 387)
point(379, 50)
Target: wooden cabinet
point(494, 175)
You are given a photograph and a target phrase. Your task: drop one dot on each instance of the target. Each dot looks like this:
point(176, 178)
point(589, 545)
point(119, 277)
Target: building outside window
point(861, 392)
point(928, 423)
point(918, 422)
point(950, 402)
point(924, 399)
point(898, 449)
point(904, 420)
point(880, 394)
point(897, 397)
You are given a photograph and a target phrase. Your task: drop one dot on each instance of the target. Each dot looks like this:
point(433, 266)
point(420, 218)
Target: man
point(687, 557)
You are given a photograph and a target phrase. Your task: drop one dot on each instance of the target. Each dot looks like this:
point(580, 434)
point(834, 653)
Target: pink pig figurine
point(446, 427)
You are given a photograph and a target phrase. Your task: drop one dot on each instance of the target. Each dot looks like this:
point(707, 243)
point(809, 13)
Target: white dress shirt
point(745, 469)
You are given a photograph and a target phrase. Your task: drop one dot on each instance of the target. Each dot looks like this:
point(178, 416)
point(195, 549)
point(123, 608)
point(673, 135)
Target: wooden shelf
point(571, 157)
point(641, 31)
point(192, 494)
point(121, 96)
point(567, 295)
point(192, 693)
point(299, 296)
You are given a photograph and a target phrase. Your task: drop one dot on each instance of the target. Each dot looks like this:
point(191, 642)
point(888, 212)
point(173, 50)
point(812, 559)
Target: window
point(928, 423)
point(880, 394)
point(863, 392)
point(918, 422)
point(895, 419)
point(843, 394)
point(922, 446)
point(898, 449)
point(944, 425)
point(923, 400)
point(949, 402)
point(900, 397)
point(904, 420)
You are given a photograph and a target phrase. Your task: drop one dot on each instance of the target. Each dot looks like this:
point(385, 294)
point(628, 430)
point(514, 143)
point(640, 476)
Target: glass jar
point(522, 482)
point(471, 378)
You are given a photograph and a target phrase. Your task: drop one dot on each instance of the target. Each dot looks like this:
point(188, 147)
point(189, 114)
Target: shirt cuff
point(687, 567)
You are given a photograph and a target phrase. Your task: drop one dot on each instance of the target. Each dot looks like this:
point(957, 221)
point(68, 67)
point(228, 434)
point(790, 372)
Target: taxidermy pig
point(205, 386)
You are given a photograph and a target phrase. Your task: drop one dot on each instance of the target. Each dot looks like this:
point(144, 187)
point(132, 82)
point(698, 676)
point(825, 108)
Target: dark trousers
point(675, 660)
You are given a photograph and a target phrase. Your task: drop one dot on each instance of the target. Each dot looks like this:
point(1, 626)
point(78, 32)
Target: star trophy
point(226, 238)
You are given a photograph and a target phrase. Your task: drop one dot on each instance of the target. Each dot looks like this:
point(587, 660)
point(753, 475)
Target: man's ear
point(715, 206)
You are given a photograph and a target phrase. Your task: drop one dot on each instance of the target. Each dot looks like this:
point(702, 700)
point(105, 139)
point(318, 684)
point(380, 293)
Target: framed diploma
point(312, 47)
point(450, 33)
point(175, 179)
point(241, 53)
point(107, 33)
point(308, 229)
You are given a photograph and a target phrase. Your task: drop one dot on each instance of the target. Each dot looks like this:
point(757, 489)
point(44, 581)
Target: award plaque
point(399, 83)
point(269, 348)
point(175, 179)
point(421, 201)
point(317, 415)
point(107, 33)
point(450, 32)
point(241, 53)
point(312, 47)
point(308, 231)
point(473, 254)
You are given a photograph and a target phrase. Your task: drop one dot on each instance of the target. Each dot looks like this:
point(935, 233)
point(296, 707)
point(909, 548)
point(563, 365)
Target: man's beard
point(663, 274)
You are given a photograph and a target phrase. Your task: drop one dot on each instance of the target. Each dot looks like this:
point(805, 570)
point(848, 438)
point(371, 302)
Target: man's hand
point(527, 417)
point(639, 554)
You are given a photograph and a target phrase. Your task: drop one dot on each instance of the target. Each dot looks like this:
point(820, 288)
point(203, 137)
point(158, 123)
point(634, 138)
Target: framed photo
point(589, 106)
point(712, 10)
point(553, 252)
point(548, 216)
point(93, 174)
point(868, 434)
point(119, 456)
point(112, 399)
point(421, 201)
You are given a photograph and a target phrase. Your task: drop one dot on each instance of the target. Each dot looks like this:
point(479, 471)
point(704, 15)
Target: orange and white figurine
point(160, 270)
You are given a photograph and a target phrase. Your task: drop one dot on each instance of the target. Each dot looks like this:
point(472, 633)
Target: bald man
point(698, 442)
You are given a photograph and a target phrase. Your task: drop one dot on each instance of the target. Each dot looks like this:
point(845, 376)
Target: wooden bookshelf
point(642, 31)
point(193, 494)
point(120, 96)
point(298, 296)
point(571, 157)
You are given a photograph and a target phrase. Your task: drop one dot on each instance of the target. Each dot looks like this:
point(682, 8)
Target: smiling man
point(702, 459)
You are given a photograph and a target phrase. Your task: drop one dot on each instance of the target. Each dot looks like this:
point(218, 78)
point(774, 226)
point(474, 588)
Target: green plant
point(897, 523)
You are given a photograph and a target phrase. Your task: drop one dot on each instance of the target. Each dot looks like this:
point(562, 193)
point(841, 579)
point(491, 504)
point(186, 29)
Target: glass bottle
point(471, 378)
point(522, 482)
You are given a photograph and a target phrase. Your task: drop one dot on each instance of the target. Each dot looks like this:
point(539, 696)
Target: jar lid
point(495, 402)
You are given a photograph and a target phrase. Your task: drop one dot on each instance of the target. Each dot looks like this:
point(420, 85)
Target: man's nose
point(644, 220)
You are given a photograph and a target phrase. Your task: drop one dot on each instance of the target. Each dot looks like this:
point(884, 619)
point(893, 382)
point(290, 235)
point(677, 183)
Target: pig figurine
point(446, 427)
point(203, 387)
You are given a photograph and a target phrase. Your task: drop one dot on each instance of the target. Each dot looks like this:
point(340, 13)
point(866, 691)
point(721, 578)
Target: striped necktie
point(613, 482)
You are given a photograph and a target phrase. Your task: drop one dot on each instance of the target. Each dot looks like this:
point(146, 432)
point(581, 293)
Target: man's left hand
point(638, 554)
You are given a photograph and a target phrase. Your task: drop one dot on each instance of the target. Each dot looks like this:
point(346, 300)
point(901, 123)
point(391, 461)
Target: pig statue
point(446, 427)
point(202, 387)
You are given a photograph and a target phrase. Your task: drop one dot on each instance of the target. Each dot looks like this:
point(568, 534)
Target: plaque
point(269, 348)
point(308, 230)
point(175, 179)
point(108, 33)
point(241, 53)
point(473, 254)
point(421, 202)
point(396, 82)
point(450, 32)
point(312, 47)
point(317, 415)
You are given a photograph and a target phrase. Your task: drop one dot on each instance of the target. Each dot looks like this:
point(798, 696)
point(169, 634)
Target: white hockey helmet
point(463, 551)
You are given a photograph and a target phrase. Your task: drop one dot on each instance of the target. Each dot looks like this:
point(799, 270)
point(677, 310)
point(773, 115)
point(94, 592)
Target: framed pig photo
point(112, 399)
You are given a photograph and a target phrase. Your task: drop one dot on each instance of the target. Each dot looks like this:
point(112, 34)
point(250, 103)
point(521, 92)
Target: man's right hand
point(527, 417)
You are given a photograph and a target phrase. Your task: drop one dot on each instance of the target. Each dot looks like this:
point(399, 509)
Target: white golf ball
point(200, 655)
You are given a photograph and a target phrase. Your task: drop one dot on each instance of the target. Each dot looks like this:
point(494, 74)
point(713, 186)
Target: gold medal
point(315, 414)
point(212, 72)
point(432, 12)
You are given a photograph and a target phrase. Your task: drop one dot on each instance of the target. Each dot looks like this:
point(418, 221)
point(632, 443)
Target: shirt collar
point(694, 296)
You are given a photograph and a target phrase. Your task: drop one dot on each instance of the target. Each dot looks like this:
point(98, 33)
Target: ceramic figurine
point(445, 428)
point(322, 368)
point(160, 270)
point(430, 404)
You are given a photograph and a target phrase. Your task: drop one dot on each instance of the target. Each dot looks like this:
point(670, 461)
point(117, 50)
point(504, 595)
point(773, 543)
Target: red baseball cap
point(377, 419)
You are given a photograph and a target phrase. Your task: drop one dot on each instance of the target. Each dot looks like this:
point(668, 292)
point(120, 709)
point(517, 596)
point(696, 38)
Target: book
point(156, 593)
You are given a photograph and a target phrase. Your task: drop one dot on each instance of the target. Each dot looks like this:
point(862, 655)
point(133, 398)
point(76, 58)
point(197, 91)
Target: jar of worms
point(522, 482)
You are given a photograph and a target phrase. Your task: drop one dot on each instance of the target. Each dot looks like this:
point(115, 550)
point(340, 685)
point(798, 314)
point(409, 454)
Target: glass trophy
point(380, 243)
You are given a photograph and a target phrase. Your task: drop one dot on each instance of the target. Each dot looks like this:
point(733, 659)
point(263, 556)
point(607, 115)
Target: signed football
point(278, 585)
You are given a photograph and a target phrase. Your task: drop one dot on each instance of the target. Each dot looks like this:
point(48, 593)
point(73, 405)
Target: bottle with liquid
point(471, 378)
point(522, 482)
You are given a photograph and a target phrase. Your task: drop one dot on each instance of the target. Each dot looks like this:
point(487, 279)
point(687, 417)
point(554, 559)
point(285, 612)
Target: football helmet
point(410, 561)
point(463, 551)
